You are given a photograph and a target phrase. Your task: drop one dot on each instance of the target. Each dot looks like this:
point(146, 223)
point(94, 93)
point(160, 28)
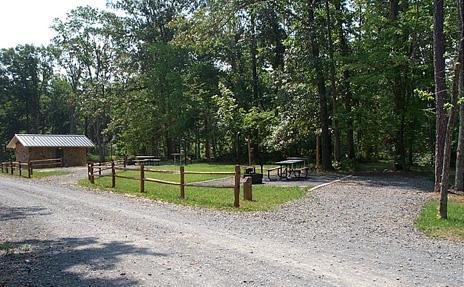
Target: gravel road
point(358, 232)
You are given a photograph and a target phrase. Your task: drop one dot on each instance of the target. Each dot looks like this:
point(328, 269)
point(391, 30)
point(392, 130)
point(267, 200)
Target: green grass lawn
point(451, 228)
point(40, 173)
point(265, 197)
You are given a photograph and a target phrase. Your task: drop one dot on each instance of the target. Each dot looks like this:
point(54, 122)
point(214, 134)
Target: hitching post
point(113, 175)
point(182, 182)
point(237, 186)
point(142, 178)
point(92, 178)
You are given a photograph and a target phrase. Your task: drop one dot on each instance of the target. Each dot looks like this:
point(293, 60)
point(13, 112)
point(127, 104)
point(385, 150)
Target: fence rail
point(11, 166)
point(96, 171)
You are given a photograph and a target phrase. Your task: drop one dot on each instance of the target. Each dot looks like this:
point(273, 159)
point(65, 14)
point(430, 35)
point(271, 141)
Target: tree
point(321, 88)
point(444, 130)
point(459, 179)
point(86, 42)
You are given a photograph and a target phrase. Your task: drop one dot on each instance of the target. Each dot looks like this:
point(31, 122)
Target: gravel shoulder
point(358, 232)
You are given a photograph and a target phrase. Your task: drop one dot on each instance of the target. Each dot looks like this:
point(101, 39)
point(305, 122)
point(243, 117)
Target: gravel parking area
point(358, 232)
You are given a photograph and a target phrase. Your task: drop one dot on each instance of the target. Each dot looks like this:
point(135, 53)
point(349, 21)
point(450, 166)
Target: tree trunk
point(443, 209)
point(399, 92)
point(333, 85)
point(322, 93)
point(440, 90)
point(448, 142)
point(100, 143)
point(254, 68)
point(459, 179)
point(347, 93)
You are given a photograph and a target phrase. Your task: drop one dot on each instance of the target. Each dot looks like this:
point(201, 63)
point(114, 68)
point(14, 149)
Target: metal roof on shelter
point(38, 140)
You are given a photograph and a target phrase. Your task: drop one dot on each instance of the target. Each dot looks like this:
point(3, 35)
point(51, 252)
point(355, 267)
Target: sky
point(29, 21)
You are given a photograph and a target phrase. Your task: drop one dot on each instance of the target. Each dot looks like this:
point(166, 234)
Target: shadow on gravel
point(13, 213)
point(68, 262)
point(407, 183)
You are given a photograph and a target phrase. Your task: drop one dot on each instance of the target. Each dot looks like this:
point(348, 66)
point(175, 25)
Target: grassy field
point(452, 228)
point(265, 197)
point(40, 173)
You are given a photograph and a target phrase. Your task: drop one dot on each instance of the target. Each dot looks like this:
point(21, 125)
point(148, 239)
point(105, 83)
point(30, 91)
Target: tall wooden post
point(100, 169)
point(29, 169)
point(92, 178)
point(19, 168)
point(237, 187)
point(318, 163)
point(248, 188)
point(142, 178)
point(113, 175)
point(11, 167)
point(182, 182)
point(249, 151)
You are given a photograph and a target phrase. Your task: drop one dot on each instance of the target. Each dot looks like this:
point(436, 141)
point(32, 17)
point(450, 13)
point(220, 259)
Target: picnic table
point(290, 168)
point(148, 160)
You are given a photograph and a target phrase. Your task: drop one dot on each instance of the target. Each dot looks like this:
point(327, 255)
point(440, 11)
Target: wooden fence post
point(113, 175)
point(92, 178)
point(1, 163)
point(125, 161)
point(19, 168)
point(6, 167)
point(248, 188)
point(100, 169)
point(11, 167)
point(237, 187)
point(29, 169)
point(142, 177)
point(182, 182)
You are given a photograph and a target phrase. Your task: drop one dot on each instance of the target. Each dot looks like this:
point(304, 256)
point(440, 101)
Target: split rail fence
point(11, 166)
point(97, 170)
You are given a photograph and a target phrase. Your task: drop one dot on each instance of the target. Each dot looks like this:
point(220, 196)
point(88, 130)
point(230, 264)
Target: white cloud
point(28, 21)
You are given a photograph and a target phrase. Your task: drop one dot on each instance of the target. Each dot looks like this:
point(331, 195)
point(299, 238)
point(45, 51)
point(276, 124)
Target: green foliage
point(158, 77)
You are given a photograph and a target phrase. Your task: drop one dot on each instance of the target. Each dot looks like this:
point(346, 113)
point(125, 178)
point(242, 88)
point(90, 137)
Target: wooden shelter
point(72, 149)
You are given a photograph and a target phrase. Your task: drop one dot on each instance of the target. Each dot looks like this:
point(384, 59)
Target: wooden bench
point(147, 160)
point(279, 172)
point(304, 170)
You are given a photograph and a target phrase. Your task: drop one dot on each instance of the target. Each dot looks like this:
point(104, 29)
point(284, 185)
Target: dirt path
point(354, 233)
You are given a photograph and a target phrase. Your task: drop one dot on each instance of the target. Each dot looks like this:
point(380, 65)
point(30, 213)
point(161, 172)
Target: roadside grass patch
point(6, 247)
point(452, 228)
point(265, 197)
point(40, 173)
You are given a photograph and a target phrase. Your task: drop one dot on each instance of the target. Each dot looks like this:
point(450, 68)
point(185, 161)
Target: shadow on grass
point(13, 213)
point(68, 262)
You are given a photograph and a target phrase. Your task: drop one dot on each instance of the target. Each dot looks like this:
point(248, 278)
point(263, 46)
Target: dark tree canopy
point(155, 77)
